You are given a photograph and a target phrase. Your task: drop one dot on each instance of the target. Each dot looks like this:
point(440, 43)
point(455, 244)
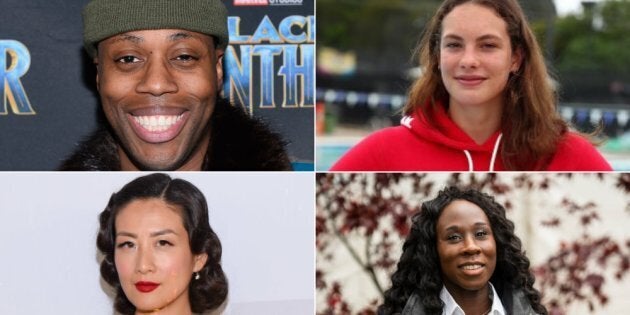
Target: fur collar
point(238, 143)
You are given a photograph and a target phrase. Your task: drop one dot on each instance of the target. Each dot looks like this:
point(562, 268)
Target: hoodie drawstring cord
point(470, 161)
point(494, 155)
point(494, 152)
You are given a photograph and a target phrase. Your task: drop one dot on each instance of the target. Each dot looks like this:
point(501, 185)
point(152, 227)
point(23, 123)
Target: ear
point(219, 54)
point(200, 261)
point(517, 60)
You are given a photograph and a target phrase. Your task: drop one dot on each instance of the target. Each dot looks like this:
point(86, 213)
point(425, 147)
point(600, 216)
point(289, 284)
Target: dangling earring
point(197, 276)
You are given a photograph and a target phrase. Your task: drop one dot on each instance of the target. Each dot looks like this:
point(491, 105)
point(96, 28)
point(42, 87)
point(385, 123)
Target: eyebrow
point(456, 227)
point(481, 38)
point(137, 39)
point(179, 35)
point(126, 37)
point(154, 234)
point(185, 35)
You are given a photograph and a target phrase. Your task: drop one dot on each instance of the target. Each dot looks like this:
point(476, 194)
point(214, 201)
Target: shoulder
point(386, 137)
point(371, 153)
point(97, 152)
point(521, 304)
point(576, 153)
point(241, 142)
point(413, 306)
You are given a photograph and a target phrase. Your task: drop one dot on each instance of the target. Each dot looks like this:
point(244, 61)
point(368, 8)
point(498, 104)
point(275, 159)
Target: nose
point(144, 261)
point(471, 247)
point(157, 78)
point(469, 58)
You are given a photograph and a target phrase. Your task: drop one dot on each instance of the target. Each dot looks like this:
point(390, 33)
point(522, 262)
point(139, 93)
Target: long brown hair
point(531, 126)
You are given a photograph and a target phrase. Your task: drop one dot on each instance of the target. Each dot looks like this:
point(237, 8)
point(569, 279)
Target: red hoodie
point(417, 145)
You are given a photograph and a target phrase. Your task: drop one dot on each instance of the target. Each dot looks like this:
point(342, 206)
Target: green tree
point(596, 41)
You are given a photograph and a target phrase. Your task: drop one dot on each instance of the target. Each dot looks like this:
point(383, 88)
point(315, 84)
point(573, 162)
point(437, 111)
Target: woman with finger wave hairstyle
point(159, 252)
point(484, 101)
point(462, 257)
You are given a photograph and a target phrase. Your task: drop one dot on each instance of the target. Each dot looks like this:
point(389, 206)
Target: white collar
point(452, 308)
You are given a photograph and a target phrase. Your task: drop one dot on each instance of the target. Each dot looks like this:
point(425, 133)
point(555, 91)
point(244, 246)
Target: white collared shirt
point(452, 308)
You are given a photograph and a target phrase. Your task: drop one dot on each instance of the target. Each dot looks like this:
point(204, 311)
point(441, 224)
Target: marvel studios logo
point(285, 2)
point(266, 2)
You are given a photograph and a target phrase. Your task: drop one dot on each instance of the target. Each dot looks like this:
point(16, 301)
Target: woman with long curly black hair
point(462, 257)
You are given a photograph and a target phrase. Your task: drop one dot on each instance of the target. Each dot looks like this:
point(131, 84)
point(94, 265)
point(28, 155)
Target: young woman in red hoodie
point(483, 103)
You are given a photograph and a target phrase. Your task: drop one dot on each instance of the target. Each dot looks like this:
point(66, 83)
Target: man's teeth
point(471, 267)
point(157, 123)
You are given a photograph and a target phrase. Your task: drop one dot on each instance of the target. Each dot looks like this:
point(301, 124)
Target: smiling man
point(159, 76)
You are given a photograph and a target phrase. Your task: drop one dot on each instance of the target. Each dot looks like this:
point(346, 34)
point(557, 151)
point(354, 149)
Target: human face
point(466, 247)
point(158, 90)
point(153, 257)
point(476, 56)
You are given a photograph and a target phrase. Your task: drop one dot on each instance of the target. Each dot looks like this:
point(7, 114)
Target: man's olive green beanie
point(105, 18)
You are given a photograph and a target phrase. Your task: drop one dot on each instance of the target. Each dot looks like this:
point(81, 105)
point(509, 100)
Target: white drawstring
point(470, 162)
point(494, 155)
point(494, 152)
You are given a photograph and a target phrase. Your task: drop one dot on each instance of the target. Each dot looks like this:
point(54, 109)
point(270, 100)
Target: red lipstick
point(146, 287)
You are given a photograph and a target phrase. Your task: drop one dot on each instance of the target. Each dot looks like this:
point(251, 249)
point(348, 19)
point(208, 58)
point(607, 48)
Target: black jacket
point(238, 143)
point(516, 305)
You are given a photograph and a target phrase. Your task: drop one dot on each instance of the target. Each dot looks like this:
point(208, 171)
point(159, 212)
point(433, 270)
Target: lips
point(470, 80)
point(472, 268)
point(157, 126)
point(146, 287)
point(158, 123)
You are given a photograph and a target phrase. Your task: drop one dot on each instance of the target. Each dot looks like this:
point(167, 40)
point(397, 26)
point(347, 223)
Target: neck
point(473, 302)
point(179, 306)
point(478, 122)
point(164, 312)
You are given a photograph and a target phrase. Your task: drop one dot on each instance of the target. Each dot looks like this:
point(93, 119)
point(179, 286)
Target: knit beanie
point(105, 18)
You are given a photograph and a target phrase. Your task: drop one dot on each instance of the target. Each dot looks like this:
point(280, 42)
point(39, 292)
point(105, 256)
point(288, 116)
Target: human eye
point(489, 45)
point(127, 59)
point(186, 57)
point(482, 233)
point(125, 244)
point(453, 237)
point(452, 45)
point(164, 243)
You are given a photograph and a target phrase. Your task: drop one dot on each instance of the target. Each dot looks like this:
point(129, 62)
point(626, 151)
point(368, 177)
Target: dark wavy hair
point(419, 272)
point(211, 289)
